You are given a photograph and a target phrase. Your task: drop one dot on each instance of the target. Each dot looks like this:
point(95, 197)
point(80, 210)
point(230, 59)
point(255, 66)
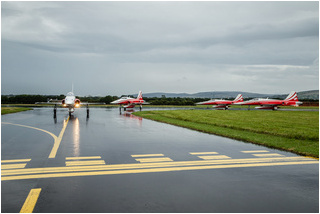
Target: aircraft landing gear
point(55, 111)
point(87, 111)
point(140, 107)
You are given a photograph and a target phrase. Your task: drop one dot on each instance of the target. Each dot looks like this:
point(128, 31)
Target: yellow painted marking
point(13, 166)
point(82, 163)
point(147, 155)
point(15, 161)
point(255, 151)
point(267, 155)
point(170, 169)
point(148, 160)
point(145, 165)
point(213, 157)
point(31, 201)
point(204, 153)
point(81, 158)
point(30, 127)
point(58, 141)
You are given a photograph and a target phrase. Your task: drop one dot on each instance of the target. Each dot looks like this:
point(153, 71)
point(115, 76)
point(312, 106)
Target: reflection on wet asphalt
point(123, 163)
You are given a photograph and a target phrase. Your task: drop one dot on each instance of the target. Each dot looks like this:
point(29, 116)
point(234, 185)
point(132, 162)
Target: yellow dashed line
point(81, 158)
point(82, 163)
point(148, 160)
point(255, 151)
point(203, 153)
point(15, 161)
point(267, 155)
point(147, 155)
point(213, 157)
point(13, 166)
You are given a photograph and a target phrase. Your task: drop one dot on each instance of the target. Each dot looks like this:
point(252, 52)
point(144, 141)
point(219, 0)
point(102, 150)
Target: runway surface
point(121, 163)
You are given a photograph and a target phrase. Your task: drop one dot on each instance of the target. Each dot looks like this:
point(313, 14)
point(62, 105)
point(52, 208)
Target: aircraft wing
point(85, 103)
point(48, 103)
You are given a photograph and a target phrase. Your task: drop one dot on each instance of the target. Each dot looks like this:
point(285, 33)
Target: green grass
point(10, 110)
point(295, 131)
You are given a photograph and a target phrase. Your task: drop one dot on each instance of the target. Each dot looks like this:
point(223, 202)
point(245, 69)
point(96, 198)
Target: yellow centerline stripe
point(58, 140)
point(57, 175)
point(203, 153)
point(15, 161)
point(13, 166)
point(81, 158)
point(31, 201)
point(145, 165)
point(80, 163)
point(147, 155)
point(147, 160)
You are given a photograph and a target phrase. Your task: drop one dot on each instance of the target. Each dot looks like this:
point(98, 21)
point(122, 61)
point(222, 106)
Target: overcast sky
point(122, 47)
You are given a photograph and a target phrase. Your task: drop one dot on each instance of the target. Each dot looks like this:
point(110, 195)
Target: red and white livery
point(222, 104)
point(130, 102)
point(265, 103)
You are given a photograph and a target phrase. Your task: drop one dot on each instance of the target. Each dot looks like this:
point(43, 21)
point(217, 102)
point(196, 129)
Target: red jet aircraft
point(291, 100)
point(130, 102)
point(222, 103)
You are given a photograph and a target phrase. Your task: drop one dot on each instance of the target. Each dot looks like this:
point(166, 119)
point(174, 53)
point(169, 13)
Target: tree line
point(183, 101)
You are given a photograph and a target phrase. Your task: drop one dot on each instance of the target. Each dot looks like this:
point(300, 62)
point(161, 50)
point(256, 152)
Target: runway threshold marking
point(57, 140)
point(55, 172)
point(31, 201)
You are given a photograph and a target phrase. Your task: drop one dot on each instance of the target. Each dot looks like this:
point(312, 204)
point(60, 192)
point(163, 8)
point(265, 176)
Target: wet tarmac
point(122, 163)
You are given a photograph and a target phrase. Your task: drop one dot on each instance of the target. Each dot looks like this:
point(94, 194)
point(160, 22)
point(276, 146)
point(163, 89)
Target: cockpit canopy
point(70, 94)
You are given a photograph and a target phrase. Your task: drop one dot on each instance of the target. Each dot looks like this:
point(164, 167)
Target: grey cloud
point(185, 42)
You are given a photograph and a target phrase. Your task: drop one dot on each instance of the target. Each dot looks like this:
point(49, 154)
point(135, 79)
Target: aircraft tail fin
point(239, 98)
point(139, 95)
point(292, 96)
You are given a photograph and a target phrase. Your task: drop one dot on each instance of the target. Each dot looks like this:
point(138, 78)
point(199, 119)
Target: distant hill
point(313, 94)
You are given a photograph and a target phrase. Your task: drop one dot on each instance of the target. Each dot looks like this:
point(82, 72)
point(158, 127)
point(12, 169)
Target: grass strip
point(296, 132)
point(10, 110)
